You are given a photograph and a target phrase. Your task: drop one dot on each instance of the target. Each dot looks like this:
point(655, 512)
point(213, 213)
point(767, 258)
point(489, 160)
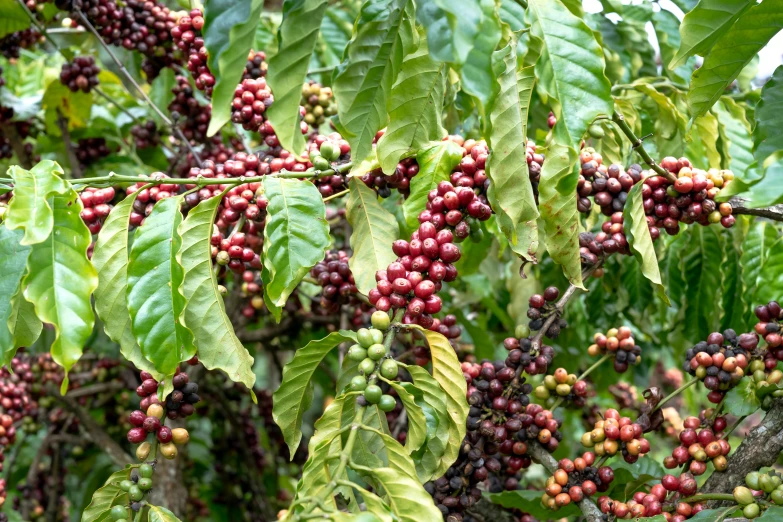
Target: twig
point(76, 168)
point(95, 389)
point(336, 195)
point(676, 393)
point(637, 144)
point(54, 486)
point(774, 212)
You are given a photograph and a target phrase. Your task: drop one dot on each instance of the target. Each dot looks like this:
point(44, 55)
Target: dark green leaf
point(769, 118)
point(30, 208)
point(702, 27)
point(287, 69)
point(417, 424)
point(13, 260)
point(667, 31)
point(529, 501)
point(742, 400)
point(752, 31)
point(296, 237)
point(771, 514)
point(12, 18)
point(771, 287)
point(161, 93)
point(702, 269)
point(755, 252)
point(639, 240)
point(736, 132)
point(767, 191)
point(229, 26)
point(205, 313)
point(154, 302)
point(374, 231)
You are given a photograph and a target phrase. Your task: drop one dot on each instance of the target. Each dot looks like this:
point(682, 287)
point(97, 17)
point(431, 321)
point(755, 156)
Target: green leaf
point(771, 287)
point(161, 93)
point(414, 108)
point(161, 514)
point(742, 400)
point(446, 370)
point(570, 70)
point(229, 27)
point(106, 497)
point(736, 132)
point(476, 73)
point(529, 501)
point(29, 208)
point(557, 205)
point(417, 424)
point(374, 231)
point(13, 260)
point(74, 107)
point(702, 274)
point(205, 313)
point(12, 18)
point(22, 321)
point(752, 31)
point(667, 31)
point(702, 27)
point(60, 280)
point(444, 439)
point(337, 415)
point(110, 259)
point(154, 303)
point(295, 394)
point(436, 161)
point(767, 137)
point(705, 141)
point(670, 120)
point(406, 496)
point(771, 514)
point(755, 252)
point(511, 192)
point(363, 82)
point(639, 240)
point(296, 237)
point(296, 39)
point(733, 293)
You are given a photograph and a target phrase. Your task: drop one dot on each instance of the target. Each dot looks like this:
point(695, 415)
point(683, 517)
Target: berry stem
point(676, 393)
point(638, 146)
point(733, 427)
point(587, 372)
point(336, 195)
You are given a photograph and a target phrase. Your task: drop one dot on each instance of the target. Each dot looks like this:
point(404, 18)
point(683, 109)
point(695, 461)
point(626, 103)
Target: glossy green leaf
point(444, 440)
point(154, 302)
point(639, 240)
point(732, 52)
point(295, 394)
point(702, 269)
point(205, 313)
point(362, 83)
point(436, 161)
point(769, 118)
point(704, 25)
point(511, 192)
point(374, 231)
point(414, 107)
point(557, 205)
point(755, 252)
point(406, 496)
point(736, 132)
point(60, 280)
point(476, 73)
point(570, 70)
point(417, 424)
point(13, 261)
point(229, 26)
point(771, 287)
point(29, 208)
point(337, 415)
point(110, 259)
point(670, 120)
point(734, 297)
point(296, 237)
point(767, 191)
point(771, 514)
point(161, 514)
point(741, 400)
point(529, 501)
point(12, 18)
point(23, 322)
point(106, 497)
point(376, 506)
point(667, 31)
point(296, 41)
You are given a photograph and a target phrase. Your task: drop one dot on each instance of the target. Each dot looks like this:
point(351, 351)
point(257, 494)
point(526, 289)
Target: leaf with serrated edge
point(154, 303)
point(60, 280)
point(106, 497)
point(374, 230)
point(295, 394)
point(767, 137)
point(436, 161)
point(570, 70)
point(296, 237)
point(29, 207)
point(296, 39)
point(557, 205)
point(406, 497)
point(229, 26)
point(415, 107)
point(446, 370)
point(362, 83)
point(511, 193)
point(13, 261)
point(110, 259)
point(205, 313)
point(703, 25)
point(640, 242)
point(417, 424)
point(161, 514)
point(732, 52)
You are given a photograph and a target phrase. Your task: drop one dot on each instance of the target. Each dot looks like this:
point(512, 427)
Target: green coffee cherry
point(777, 497)
point(522, 331)
point(367, 366)
point(541, 392)
point(145, 484)
point(377, 336)
point(596, 131)
point(387, 403)
point(743, 495)
point(752, 480)
point(389, 369)
point(125, 485)
point(376, 352)
point(320, 163)
point(364, 337)
point(751, 511)
point(767, 483)
point(373, 393)
point(563, 390)
point(380, 320)
point(135, 493)
point(358, 383)
point(118, 512)
point(357, 353)
point(146, 471)
point(550, 382)
point(330, 151)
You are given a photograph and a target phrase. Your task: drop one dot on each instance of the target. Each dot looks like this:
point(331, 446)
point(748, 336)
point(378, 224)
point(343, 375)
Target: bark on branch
point(774, 212)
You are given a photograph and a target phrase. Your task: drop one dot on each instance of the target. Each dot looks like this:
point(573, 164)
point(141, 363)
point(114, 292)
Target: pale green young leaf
point(161, 514)
point(417, 424)
point(106, 497)
point(29, 208)
point(440, 427)
point(406, 496)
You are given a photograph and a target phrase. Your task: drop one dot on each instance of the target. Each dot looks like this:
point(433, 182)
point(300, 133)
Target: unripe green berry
point(118, 512)
point(146, 471)
point(145, 484)
point(125, 485)
point(751, 511)
point(364, 337)
point(387, 403)
point(376, 352)
point(380, 320)
point(541, 393)
point(377, 336)
point(563, 389)
point(320, 163)
point(522, 331)
point(329, 151)
point(358, 383)
point(357, 353)
point(367, 366)
point(743, 495)
point(596, 131)
point(135, 493)
point(752, 480)
point(389, 369)
point(373, 393)
point(550, 382)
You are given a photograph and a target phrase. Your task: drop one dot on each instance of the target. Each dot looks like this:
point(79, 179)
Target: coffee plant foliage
point(377, 260)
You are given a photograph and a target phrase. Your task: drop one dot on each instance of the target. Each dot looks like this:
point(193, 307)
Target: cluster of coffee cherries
point(400, 180)
point(12, 43)
point(615, 434)
point(97, 206)
point(256, 65)
point(90, 150)
point(323, 151)
point(575, 480)
point(147, 197)
point(187, 37)
point(471, 171)
point(535, 162)
point(137, 485)
point(186, 111)
point(620, 343)
point(594, 248)
point(373, 358)
point(541, 308)
point(563, 385)
point(81, 74)
point(146, 134)
point(318, 102)
point(149, 418)
point(334, 275)
point(764, 373)
point(522, 352)
point(698, 445)
point(679, 487)
point(762, 488)
point(720, 361)
point(770, 318)
point(252, 98)
point(650, 504)
point(609, 186)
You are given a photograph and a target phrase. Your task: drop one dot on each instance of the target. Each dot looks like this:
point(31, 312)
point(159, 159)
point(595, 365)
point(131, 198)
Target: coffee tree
point(390, 260)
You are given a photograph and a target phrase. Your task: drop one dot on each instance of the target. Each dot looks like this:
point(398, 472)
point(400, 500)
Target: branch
point(637, 144)
point(774, 212)
point(95, 389)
